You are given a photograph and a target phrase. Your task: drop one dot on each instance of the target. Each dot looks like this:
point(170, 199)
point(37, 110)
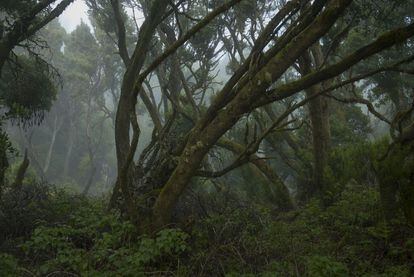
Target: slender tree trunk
point(90, 181)
point(32, 156)
point(18, 181)
point(68, 154)
point(55, 131)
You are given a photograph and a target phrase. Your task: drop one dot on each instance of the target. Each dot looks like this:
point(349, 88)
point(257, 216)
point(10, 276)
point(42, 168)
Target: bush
point(8, 265)
point(21, 211)
point(94, 241)
point(319, 266)
point(349, 237)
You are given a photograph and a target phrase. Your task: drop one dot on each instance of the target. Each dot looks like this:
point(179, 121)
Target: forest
point(207, 138)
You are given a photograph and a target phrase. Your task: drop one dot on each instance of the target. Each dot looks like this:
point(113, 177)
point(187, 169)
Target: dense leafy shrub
point(319, 266)
point(93, 241)
point(8, 265)
point(349, 237)
point(21, 211)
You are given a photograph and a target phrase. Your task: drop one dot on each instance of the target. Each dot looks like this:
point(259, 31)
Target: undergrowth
point(81, 238)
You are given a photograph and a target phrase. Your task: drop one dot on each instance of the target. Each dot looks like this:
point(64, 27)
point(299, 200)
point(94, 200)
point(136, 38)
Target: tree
point(21, 21)
point(18, 105)
point(258, 81)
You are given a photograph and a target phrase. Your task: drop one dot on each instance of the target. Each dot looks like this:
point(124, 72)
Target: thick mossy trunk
point(407, 200)
point(319, 118)
point(407, 184)
point(320, 140)
point(4, 164)
point(388, 193)
point(396, 182)
point(5, 50)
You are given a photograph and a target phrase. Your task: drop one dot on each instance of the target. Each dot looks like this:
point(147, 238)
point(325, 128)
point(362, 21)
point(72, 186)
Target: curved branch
point(363, 101)
point(384, 41)
point(123, 51)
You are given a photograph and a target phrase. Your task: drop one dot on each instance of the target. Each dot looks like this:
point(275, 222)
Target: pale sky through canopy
point(73, 15)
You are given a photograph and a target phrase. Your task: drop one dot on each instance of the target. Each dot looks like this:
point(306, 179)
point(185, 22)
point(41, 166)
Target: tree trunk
point(68, 154)
point(90, 181)
point(388, 194)
point(55, 131)
point(4, 54)
point(319, 117)
point(407, 199)
point(281, 193)
point(4, 164)
point(318, 112)
point(18, 182)
point(32, 155)
point(126, 101)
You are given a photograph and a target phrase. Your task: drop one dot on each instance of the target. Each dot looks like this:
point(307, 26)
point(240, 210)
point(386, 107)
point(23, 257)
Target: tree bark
point(407, 199)
point(18, 181)
point(5, 50)
point(319, 117)
point(127, 100)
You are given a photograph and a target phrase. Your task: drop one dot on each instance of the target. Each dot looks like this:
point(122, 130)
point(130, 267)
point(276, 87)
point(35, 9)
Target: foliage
point(82, 240)
point(21, 211)
point(348, 237)
point(27, 89)
point(8, 265)
point(325, 267)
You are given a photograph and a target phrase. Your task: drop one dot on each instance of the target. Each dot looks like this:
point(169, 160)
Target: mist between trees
point(131, 142)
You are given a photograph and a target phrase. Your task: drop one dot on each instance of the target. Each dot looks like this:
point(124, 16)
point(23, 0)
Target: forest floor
point(53, 233)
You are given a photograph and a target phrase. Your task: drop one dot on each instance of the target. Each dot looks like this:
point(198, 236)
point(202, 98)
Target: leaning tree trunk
point(281, 193)
point(216, 122)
